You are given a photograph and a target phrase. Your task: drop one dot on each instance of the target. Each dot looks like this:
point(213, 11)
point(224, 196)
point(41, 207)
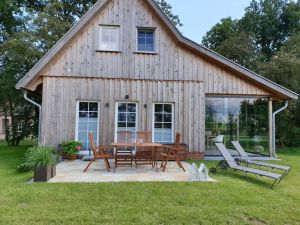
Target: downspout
point(40, 114)
point(274, 126)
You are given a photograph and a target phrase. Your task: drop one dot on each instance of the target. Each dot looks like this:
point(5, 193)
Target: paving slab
point(72, 172)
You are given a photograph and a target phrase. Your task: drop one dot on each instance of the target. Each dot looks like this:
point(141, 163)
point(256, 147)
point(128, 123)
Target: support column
point(271, 127)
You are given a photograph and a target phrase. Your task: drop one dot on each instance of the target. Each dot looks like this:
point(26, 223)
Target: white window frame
point(154, 39)
point(109, 48)
point(85, 152)
point(173, 117)
point(116, 116)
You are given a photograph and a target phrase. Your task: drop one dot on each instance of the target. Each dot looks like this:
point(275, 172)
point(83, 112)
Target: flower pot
point(42, 174)
point(53, 171)
point(72, 157)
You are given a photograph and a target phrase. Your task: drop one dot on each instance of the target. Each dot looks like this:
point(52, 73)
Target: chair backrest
point(93, 145)
point(125, 136)
point(177, 140)
point(227, 156)
point(144, 136)
point(239, 149)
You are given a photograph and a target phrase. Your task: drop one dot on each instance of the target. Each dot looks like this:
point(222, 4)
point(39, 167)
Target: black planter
point(42, 174)
point(53, 171)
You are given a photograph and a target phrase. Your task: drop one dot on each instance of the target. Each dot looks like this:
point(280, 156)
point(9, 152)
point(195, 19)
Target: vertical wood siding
point(60, 96)
point(172, 61)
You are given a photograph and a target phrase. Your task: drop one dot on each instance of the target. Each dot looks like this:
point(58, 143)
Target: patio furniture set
point(136, 147)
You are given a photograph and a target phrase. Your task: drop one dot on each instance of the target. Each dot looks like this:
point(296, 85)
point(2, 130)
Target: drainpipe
point(40, 114)
point(274, 126)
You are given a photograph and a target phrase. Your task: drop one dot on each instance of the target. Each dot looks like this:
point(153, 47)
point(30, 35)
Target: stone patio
point(72, 171)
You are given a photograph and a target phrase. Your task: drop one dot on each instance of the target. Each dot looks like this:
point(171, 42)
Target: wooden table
point(153, 146)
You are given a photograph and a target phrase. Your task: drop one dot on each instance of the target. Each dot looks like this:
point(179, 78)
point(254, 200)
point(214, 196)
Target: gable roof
point(199, 49)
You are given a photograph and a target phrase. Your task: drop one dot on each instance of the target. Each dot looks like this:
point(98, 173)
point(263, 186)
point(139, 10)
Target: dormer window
point(109, 38)
point(146, 39)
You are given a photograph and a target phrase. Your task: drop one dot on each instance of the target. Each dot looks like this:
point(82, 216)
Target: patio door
point(126, 117)
point(87, 121)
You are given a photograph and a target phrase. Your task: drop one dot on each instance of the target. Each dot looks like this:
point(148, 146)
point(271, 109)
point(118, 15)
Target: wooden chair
point(171, 153)
point(144, 155)
point(99, 153)
point(124, 155)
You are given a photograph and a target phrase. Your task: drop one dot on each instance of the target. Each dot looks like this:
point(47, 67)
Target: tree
point(239, 48)
point(270, 22)
point(284, 68)
point(219, 33)
point(167, 9)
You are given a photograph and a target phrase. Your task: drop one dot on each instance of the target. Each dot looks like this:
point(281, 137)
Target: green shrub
point(37, 157)
point(71, 147)
point(24, 167)
point(41, 157)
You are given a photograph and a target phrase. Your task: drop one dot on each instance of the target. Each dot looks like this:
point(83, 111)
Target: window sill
point(108, 51)
point(146, 53)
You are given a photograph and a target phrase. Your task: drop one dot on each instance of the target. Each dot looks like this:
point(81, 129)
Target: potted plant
point(42, 159)
point(71, 148)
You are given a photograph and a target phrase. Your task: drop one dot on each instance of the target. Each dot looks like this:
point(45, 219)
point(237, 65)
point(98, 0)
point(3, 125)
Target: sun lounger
point(229, 162)
point(247, 159)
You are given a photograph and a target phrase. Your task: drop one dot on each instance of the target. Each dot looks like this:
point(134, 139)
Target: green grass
point(234, 199)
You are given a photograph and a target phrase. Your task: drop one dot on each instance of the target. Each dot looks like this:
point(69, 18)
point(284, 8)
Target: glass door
point(126, 117)
point(87, 121)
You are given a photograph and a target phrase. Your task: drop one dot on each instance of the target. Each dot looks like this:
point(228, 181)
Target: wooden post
point(271, 128)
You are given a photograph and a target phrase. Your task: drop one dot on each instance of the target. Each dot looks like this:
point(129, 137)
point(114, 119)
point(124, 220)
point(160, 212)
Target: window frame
point(77, 123)
point(116, 117)
point(173, 123)
point(154, 39)
point(109, 49)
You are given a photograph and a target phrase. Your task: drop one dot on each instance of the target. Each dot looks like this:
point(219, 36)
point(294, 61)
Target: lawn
point(232, 200)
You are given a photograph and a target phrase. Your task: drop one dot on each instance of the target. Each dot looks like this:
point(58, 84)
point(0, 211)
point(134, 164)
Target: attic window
point(146, 39)
point(109, 38)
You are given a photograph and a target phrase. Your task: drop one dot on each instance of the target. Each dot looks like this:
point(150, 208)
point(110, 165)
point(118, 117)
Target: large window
point(237, 118)
point(87, 121)
point(126, 117)
point(146, 40)
point(109, 38)
point(163, 129)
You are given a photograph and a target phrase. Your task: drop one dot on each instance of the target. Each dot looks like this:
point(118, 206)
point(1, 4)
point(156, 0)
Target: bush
point(41, 157)
point(24, 167)
point(37, 157)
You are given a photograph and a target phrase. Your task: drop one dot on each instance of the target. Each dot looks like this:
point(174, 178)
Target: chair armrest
point(170, 149)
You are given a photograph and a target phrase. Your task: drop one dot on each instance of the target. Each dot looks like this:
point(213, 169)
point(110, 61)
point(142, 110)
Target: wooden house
point(125, 66)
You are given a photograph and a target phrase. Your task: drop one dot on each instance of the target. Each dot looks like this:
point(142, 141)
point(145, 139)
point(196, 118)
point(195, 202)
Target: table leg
point(156, 158)
point(152, 157)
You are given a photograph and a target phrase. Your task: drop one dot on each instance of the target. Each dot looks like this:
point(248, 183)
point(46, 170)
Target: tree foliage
point(220, 32)
point(167, 9)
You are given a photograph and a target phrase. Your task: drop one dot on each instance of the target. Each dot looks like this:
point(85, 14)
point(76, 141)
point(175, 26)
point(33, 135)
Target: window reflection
point(233, 118)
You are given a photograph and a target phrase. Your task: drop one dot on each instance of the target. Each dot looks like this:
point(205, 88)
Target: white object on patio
point(199, 174)
point(218, 139)
point(203, 173)
point(194, 172)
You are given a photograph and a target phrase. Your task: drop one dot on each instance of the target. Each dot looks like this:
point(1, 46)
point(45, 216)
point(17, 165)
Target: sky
point(198, 16)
